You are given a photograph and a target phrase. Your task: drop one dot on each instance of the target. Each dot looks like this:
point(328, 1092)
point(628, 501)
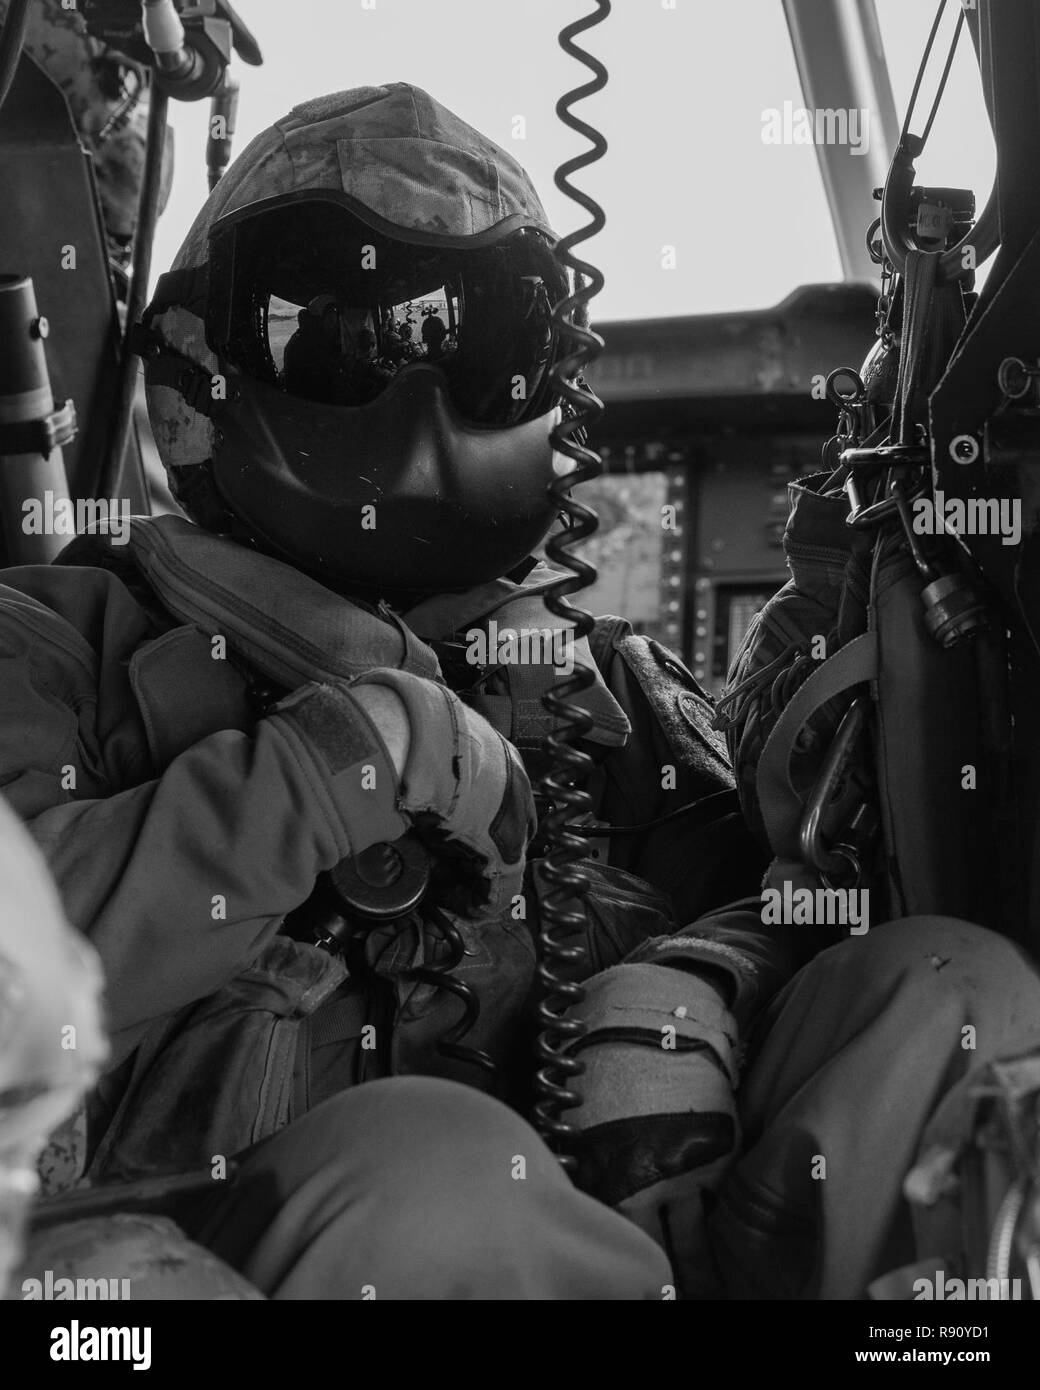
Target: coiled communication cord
point(440, 976)
point(562, 915)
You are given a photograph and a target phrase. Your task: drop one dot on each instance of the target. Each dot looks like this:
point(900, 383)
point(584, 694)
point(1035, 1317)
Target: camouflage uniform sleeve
point(180, 882)
point(178, 879)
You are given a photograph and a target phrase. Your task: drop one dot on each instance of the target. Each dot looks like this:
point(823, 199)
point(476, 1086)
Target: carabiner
point(924, 568)
point(840, 754)
point(851, 858)
point(844, 399)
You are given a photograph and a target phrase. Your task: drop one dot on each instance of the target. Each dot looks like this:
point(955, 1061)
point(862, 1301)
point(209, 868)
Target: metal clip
point(830, 786)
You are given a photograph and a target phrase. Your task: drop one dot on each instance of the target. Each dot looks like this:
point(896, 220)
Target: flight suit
point(181, 829)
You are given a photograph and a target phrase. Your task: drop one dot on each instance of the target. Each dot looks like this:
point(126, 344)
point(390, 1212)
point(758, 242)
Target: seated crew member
point(250, 711)
point(725, 974)
point(427, 501)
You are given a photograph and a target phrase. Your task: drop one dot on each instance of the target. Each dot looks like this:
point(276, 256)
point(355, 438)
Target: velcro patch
point(341, 741)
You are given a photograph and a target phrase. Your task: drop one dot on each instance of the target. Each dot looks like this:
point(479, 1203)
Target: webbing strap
point(184, 376)
point(780, 804)
point(918, 290)
point(185, 287)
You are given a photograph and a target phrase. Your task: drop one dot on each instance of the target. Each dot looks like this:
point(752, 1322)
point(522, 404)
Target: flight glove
point(463, 788)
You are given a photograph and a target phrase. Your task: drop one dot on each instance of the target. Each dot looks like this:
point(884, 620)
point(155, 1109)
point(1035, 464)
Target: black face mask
point(399, 497)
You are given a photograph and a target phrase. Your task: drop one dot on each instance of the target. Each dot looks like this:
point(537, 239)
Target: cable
point(942, 80)
point(706, 808)
point(562, 787)
point(984, 237)
point(12, 41)
point(440, 977)
point(922, 69)
point(144, 234)
point(382, 886)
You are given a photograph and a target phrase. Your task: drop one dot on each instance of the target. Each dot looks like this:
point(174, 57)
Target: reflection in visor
point(342, 355)
point(332, 311)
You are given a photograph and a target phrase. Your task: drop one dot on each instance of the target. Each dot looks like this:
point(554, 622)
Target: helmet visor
point(309, 298)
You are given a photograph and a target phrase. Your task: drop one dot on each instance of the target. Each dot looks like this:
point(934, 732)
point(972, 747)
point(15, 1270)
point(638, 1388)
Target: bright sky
point(682, 112)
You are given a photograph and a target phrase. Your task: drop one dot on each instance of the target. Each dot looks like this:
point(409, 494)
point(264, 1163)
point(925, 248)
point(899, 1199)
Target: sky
point(682, 112)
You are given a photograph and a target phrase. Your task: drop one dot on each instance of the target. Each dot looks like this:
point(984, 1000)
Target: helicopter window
point(640, 564)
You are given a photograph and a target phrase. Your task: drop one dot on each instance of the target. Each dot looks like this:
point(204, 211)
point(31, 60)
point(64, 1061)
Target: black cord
point(942, 81)
point(984, 237)
point(706, 808)
point(12, 41)
point(921, 72)
point(440, 976)
point(144, 235)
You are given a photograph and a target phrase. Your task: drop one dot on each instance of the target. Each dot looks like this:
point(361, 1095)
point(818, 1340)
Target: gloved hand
point(462, 787)
point(658, 1117)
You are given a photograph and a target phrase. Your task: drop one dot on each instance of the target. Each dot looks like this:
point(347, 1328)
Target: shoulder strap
point(284, 624)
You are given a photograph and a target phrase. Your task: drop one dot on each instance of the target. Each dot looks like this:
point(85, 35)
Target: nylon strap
point(918, 290)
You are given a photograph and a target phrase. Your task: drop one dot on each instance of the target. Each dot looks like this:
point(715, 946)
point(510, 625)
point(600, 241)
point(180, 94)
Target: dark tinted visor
point(305, 296)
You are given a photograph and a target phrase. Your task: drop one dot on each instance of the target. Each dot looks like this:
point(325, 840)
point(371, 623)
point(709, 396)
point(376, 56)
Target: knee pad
point(658, 1122)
